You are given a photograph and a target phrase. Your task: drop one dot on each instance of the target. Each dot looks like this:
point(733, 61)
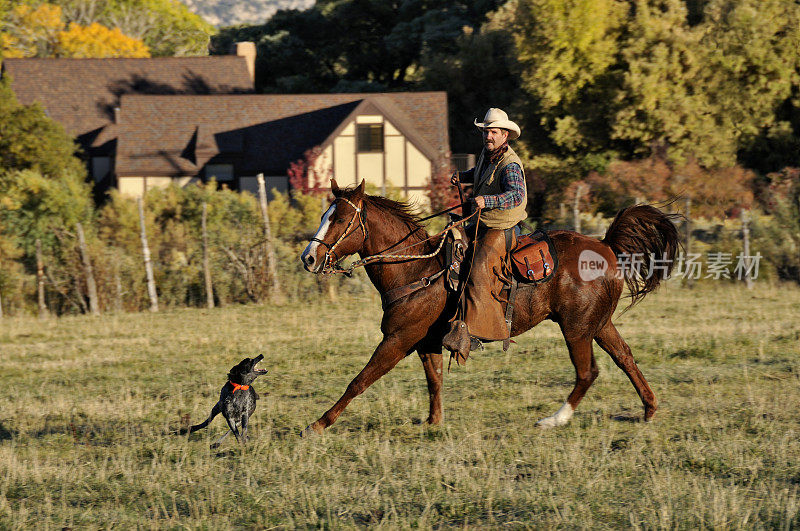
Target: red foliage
point(306, 176)
point(714, 192)
point(441, 193)
point(783, 186)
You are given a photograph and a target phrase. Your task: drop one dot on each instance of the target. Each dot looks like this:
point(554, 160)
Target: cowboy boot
point(458, 341)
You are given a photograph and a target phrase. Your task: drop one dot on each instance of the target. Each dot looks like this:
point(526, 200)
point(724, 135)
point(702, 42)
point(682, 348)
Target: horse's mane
point(403, 210)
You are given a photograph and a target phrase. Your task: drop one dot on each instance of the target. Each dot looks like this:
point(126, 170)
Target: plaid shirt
point(511, 181)
point(513, 184)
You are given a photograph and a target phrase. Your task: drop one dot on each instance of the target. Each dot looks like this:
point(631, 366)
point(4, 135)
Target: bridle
point(331, 257)
point(331, 261)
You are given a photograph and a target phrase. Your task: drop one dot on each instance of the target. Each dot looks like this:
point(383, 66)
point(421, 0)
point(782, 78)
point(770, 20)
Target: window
point(369, 138)
point(100, 168)
point(222, 172)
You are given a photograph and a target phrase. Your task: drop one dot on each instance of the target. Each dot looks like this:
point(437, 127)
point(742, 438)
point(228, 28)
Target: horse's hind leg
point(586, 371)
point(433, 373)
point(609, 340)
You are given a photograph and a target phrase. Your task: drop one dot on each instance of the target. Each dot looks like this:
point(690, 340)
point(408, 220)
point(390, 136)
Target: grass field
point(90, 405)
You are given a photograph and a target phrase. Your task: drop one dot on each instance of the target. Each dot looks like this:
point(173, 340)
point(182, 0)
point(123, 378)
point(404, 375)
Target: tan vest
point(487, 182)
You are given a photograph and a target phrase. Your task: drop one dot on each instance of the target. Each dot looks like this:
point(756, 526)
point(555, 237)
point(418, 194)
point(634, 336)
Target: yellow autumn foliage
point(42, 32)
point(96, 40)
point(30, 32)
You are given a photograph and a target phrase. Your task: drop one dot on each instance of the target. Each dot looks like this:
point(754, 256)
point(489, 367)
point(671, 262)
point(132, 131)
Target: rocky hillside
point(222, 13)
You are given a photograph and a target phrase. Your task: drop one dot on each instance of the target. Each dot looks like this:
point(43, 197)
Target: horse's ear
point(335, 188)
point(360, 189)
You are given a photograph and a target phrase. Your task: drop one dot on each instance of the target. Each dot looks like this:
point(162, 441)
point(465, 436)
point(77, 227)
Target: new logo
point(591, 265)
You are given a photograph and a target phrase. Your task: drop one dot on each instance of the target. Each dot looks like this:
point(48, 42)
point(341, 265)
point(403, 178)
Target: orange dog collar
point(236, 387)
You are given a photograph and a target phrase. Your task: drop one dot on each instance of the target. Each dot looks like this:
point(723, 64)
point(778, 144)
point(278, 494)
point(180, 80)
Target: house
point(387, 139)
point(83, 95)
point(150, 122)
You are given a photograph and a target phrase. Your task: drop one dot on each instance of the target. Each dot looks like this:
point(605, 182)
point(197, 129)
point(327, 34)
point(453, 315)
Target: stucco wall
point(400, 165)
point(138, 186)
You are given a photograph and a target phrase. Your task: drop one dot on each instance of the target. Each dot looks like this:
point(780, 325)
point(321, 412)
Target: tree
point(441, 193)
point(304, 51)
point(31, 140)
point(662, 102)
point(714, 192)
point(486, 56)
point(96, 40)
point(165, 27)
point(752, 67)
point(40, 32)
point(568, 52)
point(702, 92)
point(29, 32)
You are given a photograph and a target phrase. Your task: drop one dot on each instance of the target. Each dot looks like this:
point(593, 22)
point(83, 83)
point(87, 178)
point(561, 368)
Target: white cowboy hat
point(498, 118)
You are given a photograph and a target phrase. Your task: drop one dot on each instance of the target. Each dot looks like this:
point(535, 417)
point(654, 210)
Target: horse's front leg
point(389, 352)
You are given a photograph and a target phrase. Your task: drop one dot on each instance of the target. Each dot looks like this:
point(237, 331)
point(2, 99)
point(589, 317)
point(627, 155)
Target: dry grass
point(90, 406)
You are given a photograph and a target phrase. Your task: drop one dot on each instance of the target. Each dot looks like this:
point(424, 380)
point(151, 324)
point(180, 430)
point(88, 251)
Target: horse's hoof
point(310, 432)
point(648, 413)
point(548, 422)
point(560, 418)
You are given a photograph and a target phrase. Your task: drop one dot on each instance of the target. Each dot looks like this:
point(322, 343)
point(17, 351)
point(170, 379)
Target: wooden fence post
point(275, 292)
point(746, 248)
point(91, 287)
point(148, 267)
point(40, 280)
point(206, 268)
point(688, 235)
point(576, 211)
point(117, 287)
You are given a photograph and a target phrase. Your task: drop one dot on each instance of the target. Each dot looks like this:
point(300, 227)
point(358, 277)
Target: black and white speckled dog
point(237, 399)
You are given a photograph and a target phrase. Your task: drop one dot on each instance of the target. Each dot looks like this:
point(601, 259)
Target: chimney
point(248, 51)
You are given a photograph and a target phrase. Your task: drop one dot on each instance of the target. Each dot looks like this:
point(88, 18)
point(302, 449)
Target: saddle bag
point(534, 257)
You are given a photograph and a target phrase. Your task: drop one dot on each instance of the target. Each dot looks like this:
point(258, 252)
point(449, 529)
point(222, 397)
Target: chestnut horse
point(581, 297)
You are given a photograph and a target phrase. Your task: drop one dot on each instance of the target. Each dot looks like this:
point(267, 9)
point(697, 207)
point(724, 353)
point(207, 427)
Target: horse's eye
point(340, 220)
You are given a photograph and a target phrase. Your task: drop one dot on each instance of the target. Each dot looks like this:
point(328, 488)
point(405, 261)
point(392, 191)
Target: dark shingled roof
point(81, 94)
point(178, 135)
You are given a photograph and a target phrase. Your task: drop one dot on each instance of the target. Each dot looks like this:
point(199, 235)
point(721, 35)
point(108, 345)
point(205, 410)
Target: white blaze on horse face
point(322, 231)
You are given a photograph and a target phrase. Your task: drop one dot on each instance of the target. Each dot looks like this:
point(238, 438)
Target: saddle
point(533, 260)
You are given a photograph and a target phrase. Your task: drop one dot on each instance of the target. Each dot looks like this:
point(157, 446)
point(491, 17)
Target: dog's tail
point(214, 413)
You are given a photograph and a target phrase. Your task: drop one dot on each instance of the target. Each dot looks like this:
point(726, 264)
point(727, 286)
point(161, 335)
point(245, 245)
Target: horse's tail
point(646, 243)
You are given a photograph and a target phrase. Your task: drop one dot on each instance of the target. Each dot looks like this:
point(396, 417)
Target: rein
point(331, 265)
point(348, 271)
